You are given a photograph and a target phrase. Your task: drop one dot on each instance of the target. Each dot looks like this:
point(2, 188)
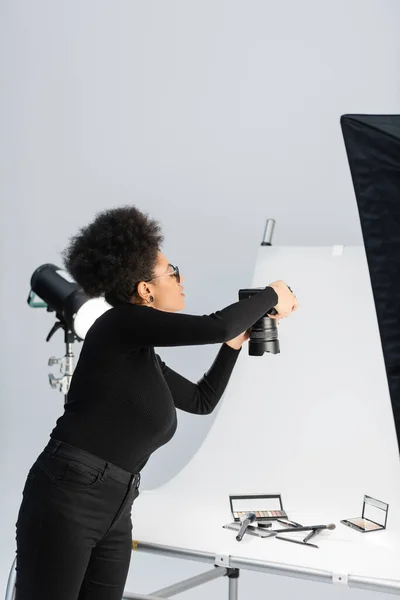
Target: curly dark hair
point(112, 254)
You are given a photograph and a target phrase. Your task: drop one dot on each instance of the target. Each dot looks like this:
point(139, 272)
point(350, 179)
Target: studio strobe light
point(75, 313)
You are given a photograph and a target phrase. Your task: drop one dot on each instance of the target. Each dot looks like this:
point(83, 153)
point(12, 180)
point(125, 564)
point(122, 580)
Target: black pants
point(74, 527)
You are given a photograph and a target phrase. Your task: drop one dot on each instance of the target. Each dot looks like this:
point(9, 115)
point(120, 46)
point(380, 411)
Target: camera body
point(264, 332)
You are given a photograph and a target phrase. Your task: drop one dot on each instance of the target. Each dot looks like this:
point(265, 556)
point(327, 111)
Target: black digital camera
point(264, 332)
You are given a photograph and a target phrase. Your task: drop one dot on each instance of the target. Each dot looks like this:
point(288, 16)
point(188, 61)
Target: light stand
point(75, 313)
point(66, 364)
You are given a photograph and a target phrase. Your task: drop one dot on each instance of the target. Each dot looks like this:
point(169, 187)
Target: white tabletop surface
point(158, 519)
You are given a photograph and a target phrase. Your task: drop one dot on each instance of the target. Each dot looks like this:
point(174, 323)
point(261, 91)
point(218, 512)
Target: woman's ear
point(143, 290)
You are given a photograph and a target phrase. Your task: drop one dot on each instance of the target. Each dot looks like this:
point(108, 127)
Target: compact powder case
point(265, 506)
point(373, 517)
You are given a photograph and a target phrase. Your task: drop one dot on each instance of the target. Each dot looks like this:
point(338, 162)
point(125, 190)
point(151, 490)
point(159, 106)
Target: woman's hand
point(287, 301)
point(237, 342)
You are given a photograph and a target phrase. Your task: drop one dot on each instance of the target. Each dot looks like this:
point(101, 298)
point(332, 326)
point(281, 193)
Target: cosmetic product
point(288, 523)
point(373, 517)
point(251, 530)
point(307, 528)
point(278, 537)
point(312, 534)
point(265, 506)
point(264, 524)
point(246, 520)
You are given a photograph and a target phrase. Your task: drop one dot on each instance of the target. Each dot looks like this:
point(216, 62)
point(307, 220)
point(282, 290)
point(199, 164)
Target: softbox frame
point(373, 150)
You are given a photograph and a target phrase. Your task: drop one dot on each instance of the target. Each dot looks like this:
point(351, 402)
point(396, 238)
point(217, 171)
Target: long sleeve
point(123, 400)
point(203, 397)
point(141, 326)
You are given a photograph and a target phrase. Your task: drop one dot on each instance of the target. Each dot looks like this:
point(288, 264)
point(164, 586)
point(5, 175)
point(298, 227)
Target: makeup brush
point(245, 520)
point(307, 528)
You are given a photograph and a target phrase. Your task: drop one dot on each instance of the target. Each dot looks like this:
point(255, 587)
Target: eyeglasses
point(174, 272)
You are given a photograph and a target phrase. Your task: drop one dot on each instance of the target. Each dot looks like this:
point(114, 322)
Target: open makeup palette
point(265, 506)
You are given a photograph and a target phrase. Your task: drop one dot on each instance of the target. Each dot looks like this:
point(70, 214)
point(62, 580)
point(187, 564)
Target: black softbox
point(373, 150)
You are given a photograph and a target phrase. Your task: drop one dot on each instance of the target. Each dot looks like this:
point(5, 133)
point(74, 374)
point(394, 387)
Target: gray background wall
point(211, 116)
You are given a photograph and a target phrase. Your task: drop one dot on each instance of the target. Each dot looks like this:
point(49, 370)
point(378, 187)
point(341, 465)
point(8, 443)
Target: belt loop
point(104, 473)
point(56, 444)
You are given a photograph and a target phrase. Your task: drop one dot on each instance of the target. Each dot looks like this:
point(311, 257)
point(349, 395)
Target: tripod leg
point(233, 576)
point(10, 591)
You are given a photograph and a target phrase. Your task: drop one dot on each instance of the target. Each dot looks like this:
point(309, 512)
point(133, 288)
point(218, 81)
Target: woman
point(74, 524)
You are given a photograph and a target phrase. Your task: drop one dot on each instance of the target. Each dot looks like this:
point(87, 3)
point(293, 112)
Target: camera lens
point(264, 337)
point(264, 333)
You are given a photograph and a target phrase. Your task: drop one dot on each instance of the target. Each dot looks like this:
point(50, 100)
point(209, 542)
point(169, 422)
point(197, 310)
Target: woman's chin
point(178, 307)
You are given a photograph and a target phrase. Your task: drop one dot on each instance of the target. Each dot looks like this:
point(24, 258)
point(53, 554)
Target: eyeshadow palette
point(362, 524)
point(265, 506)
point(262, 514)
point(373, 518)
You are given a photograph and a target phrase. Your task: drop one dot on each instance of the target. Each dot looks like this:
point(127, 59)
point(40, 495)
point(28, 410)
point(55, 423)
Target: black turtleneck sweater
point(123, 398)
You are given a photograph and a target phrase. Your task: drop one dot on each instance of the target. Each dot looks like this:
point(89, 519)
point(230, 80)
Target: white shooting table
point(344, 557)
point(326, 436)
